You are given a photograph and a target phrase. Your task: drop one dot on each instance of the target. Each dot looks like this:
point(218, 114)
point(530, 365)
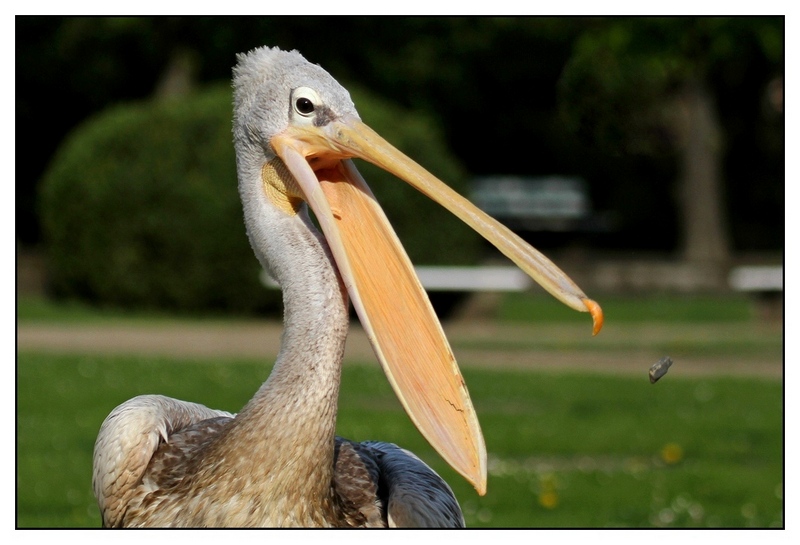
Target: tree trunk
point(705, 239)
point(178, 78)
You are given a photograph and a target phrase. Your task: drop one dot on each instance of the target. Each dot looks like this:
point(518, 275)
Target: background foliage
point(492, 84)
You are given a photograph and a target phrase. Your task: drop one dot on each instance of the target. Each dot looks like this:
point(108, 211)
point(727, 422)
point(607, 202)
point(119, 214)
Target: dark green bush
point(140, 207)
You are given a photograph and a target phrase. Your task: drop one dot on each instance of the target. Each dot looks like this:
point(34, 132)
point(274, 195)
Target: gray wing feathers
point(126, 442)
point(375, 475)
point(417, 496)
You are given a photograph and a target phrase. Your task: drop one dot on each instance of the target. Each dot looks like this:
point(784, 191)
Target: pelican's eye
point(304, 106)
point(305, 101)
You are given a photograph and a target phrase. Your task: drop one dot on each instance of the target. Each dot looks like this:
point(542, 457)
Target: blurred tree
point(653, 86)
point(68, 68)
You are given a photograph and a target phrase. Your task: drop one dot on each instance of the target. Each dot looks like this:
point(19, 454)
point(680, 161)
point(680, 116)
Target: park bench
point(467, 279)
point(757, 279)
point(765, 283)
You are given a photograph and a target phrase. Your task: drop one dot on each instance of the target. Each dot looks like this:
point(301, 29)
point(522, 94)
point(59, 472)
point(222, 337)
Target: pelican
point(169, 463)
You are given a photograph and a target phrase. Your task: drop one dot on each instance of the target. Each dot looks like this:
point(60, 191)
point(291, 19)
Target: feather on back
point(128, 439)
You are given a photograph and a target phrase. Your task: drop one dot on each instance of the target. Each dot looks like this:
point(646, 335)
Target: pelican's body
point(203, 470)
point(164, 462)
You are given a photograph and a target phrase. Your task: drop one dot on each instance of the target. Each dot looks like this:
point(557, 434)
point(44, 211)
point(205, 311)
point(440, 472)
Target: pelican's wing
point(381, 484)
point(127, 441)
point(356, 479)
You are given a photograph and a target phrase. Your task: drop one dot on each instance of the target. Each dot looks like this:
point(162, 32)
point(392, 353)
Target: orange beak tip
point(597, 315)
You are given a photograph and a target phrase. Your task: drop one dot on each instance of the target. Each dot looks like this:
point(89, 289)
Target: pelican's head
point(304, 129)
point(275, 90)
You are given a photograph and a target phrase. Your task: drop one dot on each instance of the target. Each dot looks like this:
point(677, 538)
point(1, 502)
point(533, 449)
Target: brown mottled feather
point(355, 481)
point(128, 439)
point(175, 458)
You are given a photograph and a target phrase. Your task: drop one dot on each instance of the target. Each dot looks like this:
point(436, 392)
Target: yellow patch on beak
point(280, 187)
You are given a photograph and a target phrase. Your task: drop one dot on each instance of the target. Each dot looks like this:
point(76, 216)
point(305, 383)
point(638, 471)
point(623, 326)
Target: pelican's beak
point(386, 293)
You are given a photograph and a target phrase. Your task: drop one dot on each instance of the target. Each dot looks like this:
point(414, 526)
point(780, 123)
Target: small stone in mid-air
point(659, 369)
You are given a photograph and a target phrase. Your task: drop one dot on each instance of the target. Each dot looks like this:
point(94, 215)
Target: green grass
point(565, 450)
point(525, 307)
point(537, 307)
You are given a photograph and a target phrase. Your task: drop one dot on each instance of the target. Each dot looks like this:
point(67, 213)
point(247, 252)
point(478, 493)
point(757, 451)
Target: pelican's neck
point(289, 424)
point(305, 380)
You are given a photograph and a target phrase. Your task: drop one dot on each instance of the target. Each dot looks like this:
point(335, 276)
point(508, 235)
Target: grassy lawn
point(664, 308)
point(565, 450)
